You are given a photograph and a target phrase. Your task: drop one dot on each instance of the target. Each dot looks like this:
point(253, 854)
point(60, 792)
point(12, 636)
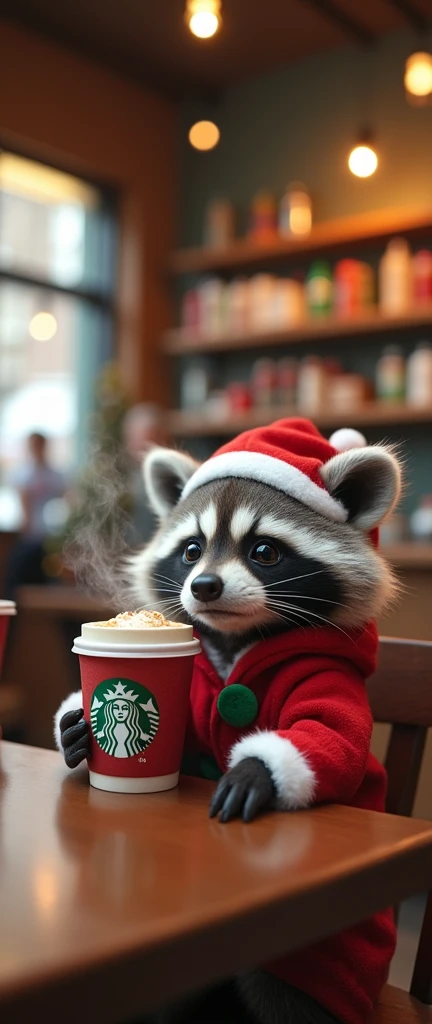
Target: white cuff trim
point(294, 779)
point(71, 703)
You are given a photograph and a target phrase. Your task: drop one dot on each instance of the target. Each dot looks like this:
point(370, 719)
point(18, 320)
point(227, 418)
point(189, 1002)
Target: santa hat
point(287, 455)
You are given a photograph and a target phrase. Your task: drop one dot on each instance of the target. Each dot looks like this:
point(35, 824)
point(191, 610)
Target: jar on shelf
point(422, 276)
point(419, 375)
point(390, 374)
point(219, 230)
point(295, 211)
point(263, 222)
point(319, 288)
point(395, 278)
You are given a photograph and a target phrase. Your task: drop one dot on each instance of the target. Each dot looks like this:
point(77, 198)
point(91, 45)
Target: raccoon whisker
point(322, 618)
point(167, 579)
point(286, 618)
point(306, 597)
point(292, 578)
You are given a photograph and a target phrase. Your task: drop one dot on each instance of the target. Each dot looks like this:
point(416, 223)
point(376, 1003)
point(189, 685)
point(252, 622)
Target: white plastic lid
point(95, 649)
point(7, 608)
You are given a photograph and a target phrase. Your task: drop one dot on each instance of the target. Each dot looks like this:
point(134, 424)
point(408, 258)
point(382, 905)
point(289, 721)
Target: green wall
point(299, 123)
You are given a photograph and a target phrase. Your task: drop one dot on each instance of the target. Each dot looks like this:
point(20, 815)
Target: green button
point(237, 705)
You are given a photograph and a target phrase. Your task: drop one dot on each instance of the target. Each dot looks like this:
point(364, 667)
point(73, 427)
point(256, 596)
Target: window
point(57, 259)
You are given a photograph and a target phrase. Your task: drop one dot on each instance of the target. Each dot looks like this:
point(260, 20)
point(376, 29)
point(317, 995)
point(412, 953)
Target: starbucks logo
point(124, 717)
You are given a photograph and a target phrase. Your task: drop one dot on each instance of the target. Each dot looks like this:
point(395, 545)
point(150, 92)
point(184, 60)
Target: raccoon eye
point(192, 551)
point(265, 553)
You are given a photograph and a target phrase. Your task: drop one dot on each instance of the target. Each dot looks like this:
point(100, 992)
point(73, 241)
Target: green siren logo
point(124, 717)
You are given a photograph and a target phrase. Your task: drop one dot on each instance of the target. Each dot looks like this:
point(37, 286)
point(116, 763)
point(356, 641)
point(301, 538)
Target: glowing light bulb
point(363, 161)
point(43, 326)
point(418, 77)
point(204, 135)
point(203, 17)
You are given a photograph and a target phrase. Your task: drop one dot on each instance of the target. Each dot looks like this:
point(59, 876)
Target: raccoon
point(269, 549)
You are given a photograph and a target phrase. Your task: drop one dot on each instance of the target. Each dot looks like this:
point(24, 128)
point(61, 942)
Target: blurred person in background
point(141, 429)
point(37, 484)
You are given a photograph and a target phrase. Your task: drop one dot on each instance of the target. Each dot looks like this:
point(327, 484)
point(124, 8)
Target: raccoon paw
point(74, 736)
point(243, 791)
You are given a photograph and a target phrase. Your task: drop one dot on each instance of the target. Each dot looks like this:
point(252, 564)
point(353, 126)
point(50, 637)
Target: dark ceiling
point(148, 41)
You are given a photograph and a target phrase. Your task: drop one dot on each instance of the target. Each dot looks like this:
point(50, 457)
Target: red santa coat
point(300, 704)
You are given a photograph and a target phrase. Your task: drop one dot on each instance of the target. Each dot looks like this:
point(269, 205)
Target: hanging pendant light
point(418, 78)
point(204, 135)
point(363, 158)
point(203, 17)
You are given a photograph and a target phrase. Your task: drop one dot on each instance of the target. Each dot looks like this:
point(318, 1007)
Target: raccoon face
point(240, 558)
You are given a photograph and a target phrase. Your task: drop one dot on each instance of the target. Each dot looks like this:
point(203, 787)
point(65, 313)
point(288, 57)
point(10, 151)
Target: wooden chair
point(400, 694)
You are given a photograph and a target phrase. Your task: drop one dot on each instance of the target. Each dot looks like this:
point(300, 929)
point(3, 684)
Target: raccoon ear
point(166, 472)
point(367, 481)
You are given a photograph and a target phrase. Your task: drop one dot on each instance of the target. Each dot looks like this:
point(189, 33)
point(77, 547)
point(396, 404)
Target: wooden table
point(120, 903)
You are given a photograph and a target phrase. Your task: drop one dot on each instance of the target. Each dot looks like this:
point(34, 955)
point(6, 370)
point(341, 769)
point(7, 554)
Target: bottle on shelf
point(353, 287)
point(421, 520)
point(263, 223)
point(390, 374)
point(239, 396)
point(288, 303)
point(295, 211)
point(422, 276)
point(211, 293)
point(395, 278)
point(419, 375)
point(237, 305)
point(190, 311)
point(286, 372)
point(264, 381)
point(219, 227)
point(261, 293)
point(311, 385)
point(195, 385)
point(319, 288)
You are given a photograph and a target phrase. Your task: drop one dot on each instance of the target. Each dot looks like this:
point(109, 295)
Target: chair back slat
point(403, 763)
point(400, 691)
point(400, 694)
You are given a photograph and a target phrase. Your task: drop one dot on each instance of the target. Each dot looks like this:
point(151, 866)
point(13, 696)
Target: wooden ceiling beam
point(353, 28)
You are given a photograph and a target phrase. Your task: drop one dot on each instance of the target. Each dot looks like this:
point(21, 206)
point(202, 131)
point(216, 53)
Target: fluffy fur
point(293, 779)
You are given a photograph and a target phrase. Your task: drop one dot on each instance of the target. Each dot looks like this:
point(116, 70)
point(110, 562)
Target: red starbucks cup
point(7, 608)
point(135, 686)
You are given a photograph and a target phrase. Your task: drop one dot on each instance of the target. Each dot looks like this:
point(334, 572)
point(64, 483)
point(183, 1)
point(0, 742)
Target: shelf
point(180, 341)
point(408, 555)
point(328, 236)
point(190, 424)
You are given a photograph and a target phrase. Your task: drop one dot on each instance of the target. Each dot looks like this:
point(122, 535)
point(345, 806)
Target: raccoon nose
point(207, 587)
